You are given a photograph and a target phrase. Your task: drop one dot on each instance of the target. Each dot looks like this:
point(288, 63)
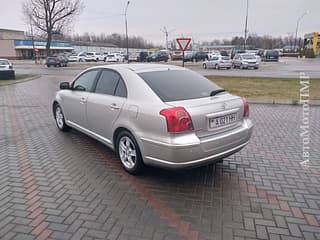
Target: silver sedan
point(152, 114)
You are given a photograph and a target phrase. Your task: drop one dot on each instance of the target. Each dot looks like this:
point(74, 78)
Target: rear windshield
point(4, 62)
point(225, 58)
point(272, 53)
point(175, 85)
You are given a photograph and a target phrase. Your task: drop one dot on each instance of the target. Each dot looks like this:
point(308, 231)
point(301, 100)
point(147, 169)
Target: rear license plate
point(222, 121)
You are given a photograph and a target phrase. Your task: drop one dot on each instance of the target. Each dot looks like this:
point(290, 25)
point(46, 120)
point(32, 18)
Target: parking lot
point(56, 185)
point(286, 68)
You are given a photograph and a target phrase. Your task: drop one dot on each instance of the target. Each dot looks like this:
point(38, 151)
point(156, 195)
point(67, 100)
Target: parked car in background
point(245, 61)
point(77, 57)
point(160, 56)
point(270, 56)
point(57, 61)
point(6, 70)
point(213, 54)
point(196, 56)
point(154, 114)
point(143, 56)
point(176, 55)
point(133, 57)
point(114, 57)
point(94, 57)
point(237, 51)
point(218, 62)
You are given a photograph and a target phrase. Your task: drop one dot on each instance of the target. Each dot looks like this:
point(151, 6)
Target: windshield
point(225, 58)
point(175, 85)
point(90, 53)
point(248, 56)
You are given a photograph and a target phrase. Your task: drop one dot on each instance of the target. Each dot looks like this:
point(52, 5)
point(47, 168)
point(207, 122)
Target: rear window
point(225, 58)
point(175, 85)
point(4, 62)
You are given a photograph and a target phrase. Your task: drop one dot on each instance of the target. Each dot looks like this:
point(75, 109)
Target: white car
point(77, 57)
point(213, 54)
point(218, 62)
point(5, 65)
point(245, 61)
point(94, 56)
point(6, 69)
point(114, 57)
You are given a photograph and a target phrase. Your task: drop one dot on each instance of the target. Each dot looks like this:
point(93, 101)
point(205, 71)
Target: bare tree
point(51, 17)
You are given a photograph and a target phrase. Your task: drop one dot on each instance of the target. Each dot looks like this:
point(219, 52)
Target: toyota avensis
point(152, 114)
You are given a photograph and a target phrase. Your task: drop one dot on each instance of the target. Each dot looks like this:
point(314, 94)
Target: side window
point(108, 82)
point(85, 81)
point(121, 90)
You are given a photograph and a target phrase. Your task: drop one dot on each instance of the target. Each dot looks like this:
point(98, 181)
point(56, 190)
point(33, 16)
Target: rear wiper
point(215, 92)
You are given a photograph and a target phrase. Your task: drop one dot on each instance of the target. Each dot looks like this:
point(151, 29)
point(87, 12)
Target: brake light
point(221, 61)
point(178, 119)
point(245, 107)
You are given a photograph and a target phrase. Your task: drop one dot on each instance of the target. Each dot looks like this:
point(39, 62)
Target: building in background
point(14, 45)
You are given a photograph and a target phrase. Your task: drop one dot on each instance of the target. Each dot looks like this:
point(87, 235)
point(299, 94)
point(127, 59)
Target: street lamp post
point(246, 27)
point(127, 39)
point(298, 23)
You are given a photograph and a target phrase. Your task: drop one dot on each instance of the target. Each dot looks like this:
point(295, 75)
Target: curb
point(281, 101)
point(22, 80)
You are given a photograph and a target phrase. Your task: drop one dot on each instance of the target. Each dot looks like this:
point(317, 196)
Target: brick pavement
point(56, 185)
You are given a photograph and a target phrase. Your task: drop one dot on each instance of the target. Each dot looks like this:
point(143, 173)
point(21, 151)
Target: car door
point(236, 61)
point(105, 103)
point(75, 100)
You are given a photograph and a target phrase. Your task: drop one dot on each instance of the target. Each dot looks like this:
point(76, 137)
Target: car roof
point(141, 67)
point(4, 59)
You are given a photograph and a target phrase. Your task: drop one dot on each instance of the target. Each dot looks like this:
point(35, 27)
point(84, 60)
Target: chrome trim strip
point(196, 161)
point(82, 129)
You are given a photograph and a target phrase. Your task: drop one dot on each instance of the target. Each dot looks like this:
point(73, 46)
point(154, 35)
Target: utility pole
point(298, 23)
point(166, 32)
point(127, 39)
point(246, 27)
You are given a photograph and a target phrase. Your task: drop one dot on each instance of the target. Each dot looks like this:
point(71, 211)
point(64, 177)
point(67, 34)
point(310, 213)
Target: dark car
point(195, 56)
point(158, 57)
point(270, 56)
point(57, 61)
point(143, 56)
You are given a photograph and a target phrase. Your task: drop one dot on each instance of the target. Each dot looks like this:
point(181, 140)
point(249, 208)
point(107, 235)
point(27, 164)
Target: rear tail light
point(245, 107)
point(221, 61)
point(178, 119)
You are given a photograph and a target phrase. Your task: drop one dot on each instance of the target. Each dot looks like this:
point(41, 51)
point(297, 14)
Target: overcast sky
point(200, 19)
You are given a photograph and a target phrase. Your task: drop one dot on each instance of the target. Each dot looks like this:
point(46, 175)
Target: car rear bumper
point(192, 151)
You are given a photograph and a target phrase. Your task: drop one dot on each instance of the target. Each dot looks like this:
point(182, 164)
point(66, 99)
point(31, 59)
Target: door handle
point(114, 106)
point(83, 100)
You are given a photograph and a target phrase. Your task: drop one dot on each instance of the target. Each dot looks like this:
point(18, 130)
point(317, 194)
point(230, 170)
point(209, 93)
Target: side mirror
point(64, 85)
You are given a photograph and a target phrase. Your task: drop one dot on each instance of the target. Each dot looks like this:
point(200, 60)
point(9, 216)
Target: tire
point(48, 65)
point(59, 118)
point(241, 66)
point(128, 152)
point(204, 66)
point(217, 67)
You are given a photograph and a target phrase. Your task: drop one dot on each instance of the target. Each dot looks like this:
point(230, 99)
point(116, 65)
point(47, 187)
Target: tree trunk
point(49, 40)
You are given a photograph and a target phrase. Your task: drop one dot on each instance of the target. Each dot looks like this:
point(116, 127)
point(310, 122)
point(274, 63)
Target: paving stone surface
point(56, 185)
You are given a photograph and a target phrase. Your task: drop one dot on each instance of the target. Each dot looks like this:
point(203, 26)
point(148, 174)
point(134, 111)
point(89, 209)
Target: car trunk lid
point(213, 115)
